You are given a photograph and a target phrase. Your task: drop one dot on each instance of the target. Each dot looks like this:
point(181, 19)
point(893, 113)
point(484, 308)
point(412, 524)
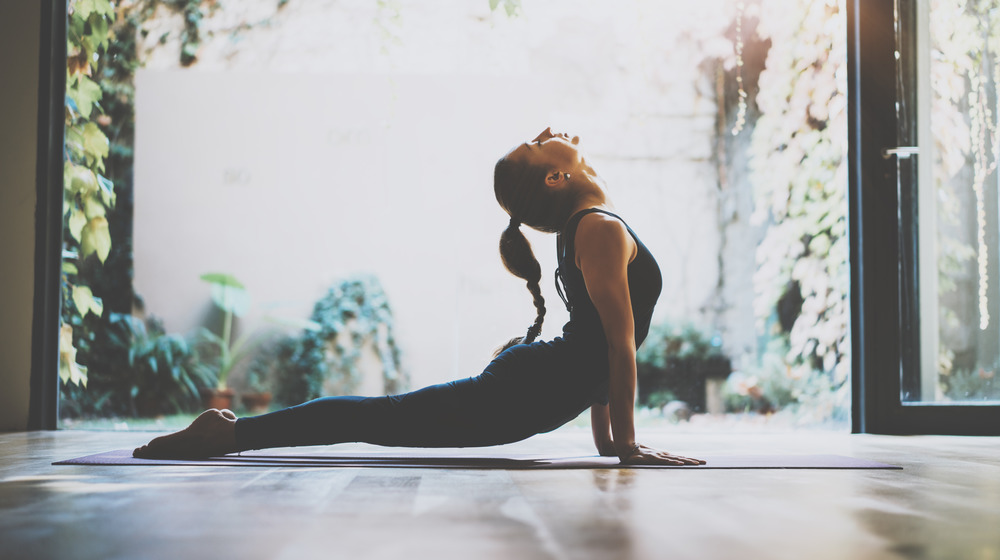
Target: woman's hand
point(642, 455)
point(600, 424)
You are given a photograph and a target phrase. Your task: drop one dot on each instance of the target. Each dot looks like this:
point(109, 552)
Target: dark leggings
point(526, 390)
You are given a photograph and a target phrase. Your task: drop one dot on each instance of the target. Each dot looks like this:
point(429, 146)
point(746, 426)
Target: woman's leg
point(462, 413)
point(516, 396)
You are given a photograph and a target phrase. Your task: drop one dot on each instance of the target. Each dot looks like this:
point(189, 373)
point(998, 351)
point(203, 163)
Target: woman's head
point(540, 184)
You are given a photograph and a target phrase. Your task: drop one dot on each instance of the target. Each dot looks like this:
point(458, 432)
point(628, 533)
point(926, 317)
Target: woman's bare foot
point(212, 433)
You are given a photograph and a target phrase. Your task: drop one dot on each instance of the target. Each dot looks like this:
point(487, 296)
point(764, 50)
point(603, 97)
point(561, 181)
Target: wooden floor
point(944, 504)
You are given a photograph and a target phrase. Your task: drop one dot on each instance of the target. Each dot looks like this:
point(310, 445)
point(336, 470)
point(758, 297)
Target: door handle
point(902, 152)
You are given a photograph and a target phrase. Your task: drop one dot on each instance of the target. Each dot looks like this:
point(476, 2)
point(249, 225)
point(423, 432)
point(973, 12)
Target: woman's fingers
point(661, 460)
point(647, 456)
point(685, 460)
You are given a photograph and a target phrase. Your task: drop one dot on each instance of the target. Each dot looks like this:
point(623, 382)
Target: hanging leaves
point(510, 7)
point(85, 94)
point(85, 301)
point(95, 238)
point(70, 372)
point(799, 177)
point(87, 194)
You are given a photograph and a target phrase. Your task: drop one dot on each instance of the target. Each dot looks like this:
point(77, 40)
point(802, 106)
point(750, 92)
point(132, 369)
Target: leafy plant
point(972, 385)
point(87, 193)
point(150, 372)
point(165, 375)
point(263, 366)
point(353, 315)
point(222, 354)
point(774, 385)
point(798, 171)
point(674, 361)
point(511, 8)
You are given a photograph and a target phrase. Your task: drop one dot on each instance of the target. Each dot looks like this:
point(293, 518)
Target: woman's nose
point(545, 135)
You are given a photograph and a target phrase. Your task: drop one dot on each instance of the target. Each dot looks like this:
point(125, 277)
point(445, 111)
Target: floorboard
point(945, 503)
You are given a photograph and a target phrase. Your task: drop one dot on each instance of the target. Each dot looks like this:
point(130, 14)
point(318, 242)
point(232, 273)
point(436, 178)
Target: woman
point(609, 282)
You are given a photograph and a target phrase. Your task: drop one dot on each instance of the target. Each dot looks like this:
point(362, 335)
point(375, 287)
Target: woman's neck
point(593, 199)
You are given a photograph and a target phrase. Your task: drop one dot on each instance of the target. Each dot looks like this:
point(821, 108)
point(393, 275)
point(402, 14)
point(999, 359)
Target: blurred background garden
point(294, 199)
point(273, 200)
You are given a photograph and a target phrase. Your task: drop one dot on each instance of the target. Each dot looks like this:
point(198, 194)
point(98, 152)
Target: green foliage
point(972, 385)
point(98, 184)
point(192, 12)
point(100, 125)
point(87, 194)
point(144, 372)
point(263, 364)
point(511, 7)
point(798, 171)
point(658, 399)
point(684, 342)
point(673, 363)
point(218, 353)
point(775, 386)
point(352, 316)
point(228, 293)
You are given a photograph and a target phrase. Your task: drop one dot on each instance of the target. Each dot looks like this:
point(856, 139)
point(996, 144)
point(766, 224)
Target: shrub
point(143, 371)
point(353, 315)
point(775, 385)
point(674, 362)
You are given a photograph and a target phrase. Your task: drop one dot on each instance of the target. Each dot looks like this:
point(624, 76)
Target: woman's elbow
point(621, 347)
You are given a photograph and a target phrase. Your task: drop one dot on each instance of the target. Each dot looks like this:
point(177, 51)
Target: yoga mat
point(479, 461)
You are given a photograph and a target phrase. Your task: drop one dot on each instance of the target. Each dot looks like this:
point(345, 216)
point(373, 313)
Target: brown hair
point(521, 192)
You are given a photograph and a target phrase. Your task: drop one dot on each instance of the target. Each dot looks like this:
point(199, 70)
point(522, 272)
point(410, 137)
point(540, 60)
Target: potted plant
point(161, 375)
point(256, 395)
point(684, 362)
point(353, 317)
point(218, 353)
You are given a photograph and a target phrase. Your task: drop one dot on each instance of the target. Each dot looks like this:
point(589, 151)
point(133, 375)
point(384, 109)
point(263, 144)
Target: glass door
point(949, 199)
point(948, 72)
point(926, 215)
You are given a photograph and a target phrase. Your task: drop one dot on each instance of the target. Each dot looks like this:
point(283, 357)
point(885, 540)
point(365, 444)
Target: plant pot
point(256, 402)
point(217, 398)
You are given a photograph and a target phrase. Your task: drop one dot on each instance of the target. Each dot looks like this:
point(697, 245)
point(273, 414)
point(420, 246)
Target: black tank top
point(644, 284)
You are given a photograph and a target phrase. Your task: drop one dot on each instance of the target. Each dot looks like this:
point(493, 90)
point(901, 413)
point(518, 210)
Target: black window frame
point(883, 233)
point(43, 409)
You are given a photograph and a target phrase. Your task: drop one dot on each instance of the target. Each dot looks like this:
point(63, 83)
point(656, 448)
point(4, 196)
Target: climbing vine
point(87, 194)
point(102, 58)
point(798, 172)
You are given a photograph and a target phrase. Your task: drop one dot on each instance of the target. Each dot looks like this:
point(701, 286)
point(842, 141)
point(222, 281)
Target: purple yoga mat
point(477, 461)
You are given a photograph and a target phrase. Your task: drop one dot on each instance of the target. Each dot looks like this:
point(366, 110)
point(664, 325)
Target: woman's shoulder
point(604, 232)
point(601, 223)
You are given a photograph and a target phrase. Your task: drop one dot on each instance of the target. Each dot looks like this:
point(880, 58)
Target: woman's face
point(554, 152)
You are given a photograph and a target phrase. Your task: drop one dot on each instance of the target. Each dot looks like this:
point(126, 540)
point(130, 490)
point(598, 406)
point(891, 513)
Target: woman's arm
point(604, 250)
point(600, 425)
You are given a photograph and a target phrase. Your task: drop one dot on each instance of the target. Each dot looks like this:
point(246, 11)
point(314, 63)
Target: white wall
point(299, 154)
point(19, 40)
